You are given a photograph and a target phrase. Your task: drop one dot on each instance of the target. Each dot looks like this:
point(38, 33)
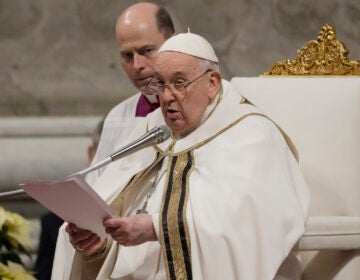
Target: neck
point(208, 111)
point(151, 98)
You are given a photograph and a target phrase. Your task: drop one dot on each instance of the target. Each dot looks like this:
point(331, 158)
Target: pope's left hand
point(132, 230)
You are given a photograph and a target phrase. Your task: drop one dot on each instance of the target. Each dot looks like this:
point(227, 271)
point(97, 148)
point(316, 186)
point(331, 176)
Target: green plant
point(14, 240)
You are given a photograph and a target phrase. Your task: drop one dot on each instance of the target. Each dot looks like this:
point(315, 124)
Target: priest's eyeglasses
point(158, 87)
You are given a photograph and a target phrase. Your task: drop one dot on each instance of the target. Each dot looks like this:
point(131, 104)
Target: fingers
point(117, 227)
point(130, 231)
point(70, 228)
point(78, 236)
point(83, 241)
point(87, 243)
point(114, 222)
point(126, 231)
point(91, 246)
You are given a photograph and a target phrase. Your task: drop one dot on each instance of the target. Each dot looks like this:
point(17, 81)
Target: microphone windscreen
point(164, 133)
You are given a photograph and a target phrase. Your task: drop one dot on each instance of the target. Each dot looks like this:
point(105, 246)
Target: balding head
point(147, 16)
point(140, 30)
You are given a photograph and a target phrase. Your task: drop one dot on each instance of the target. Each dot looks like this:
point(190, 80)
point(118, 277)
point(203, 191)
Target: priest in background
point(140, 30)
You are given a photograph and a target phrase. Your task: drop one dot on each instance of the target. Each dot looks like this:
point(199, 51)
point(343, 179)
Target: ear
point(214, 84)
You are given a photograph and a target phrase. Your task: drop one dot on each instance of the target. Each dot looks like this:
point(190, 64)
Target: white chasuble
point(230, 201)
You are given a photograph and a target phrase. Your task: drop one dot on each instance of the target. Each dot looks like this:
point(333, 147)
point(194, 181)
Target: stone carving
point(323, 56)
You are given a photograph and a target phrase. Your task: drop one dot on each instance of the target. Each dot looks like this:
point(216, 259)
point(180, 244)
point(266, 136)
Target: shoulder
point(260, 127)
point(125, 108)
point(253, 130)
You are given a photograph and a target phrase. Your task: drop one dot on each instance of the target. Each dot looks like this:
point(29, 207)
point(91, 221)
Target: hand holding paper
point(73, 200)
point(132, 230)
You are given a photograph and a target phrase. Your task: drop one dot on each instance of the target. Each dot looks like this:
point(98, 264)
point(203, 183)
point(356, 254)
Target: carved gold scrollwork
point(323, 56)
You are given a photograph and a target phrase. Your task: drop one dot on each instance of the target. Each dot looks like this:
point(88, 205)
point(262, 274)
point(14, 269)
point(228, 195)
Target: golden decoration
point(323, 56)
point(174, 232)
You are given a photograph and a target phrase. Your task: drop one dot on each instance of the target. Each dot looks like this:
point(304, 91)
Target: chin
point(177, 125)
point(140, 84)
point(179, 132)
point(173, 125)
point(140, 87)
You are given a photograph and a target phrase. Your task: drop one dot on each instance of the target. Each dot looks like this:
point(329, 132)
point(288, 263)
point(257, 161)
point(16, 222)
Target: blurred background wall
point(59, 57)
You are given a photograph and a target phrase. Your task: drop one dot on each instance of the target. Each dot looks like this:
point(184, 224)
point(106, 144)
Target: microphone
point(154, 136)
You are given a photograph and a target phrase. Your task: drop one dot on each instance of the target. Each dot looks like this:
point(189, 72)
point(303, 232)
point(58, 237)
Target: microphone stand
point(154, 136)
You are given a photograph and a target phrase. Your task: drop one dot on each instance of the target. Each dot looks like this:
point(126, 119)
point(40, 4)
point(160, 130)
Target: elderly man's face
point(183, 112)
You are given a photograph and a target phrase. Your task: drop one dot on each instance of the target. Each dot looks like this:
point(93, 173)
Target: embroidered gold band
point(118, 203)
point(174, 234)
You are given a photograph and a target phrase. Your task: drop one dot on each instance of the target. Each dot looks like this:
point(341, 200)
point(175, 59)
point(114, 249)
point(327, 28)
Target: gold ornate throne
point(324, 56)
point(315, 98)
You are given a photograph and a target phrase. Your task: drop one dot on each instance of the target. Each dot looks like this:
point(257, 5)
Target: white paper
point(73, 200)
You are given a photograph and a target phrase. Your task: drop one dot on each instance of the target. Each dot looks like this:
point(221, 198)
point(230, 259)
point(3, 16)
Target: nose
point(167, 95)
point(139, 61)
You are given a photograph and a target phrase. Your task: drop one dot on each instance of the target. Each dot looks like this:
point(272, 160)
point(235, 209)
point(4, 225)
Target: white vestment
point(230, 201)
point(118, 127)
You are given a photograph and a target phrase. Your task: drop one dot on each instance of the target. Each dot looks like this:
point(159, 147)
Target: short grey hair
point(205, 64)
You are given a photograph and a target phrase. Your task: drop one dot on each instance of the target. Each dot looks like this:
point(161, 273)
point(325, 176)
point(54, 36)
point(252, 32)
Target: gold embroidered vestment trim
point(174, 234)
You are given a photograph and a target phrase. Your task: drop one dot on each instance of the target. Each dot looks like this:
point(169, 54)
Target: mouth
point(144, 80)
point(172, 114)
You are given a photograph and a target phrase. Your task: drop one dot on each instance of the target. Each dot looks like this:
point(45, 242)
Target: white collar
point(151, 98)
